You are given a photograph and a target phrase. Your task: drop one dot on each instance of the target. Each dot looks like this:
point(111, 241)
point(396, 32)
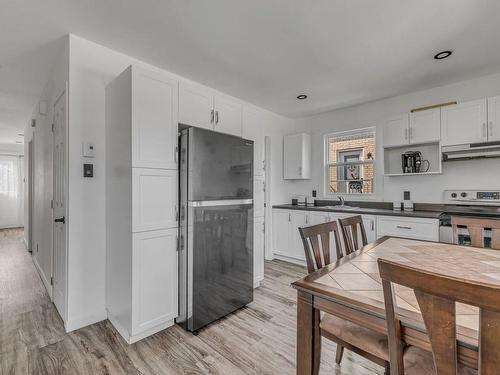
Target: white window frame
point(327, 164)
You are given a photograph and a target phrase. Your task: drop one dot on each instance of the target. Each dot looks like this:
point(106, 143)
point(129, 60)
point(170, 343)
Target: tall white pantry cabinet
point(141, 202)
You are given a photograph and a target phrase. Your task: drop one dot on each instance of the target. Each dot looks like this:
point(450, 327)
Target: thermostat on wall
point(88, 149)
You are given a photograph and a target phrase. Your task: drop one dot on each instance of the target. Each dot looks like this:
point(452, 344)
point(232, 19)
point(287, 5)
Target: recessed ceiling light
point(442, 55)
point(302, 96)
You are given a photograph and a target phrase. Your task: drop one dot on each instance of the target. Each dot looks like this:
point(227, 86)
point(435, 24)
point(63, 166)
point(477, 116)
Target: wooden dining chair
point(349, 226)
point(476, 227)
point(436, 295)
point(365, 342)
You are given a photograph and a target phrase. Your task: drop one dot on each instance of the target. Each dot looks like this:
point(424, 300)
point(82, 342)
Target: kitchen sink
point(339, 207)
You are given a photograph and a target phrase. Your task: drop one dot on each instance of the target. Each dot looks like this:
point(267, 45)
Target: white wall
point(92, 67)
point(42, 136)
point(464, 174)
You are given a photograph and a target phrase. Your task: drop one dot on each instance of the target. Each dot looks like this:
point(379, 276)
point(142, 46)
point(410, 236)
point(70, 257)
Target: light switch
point(88, 149)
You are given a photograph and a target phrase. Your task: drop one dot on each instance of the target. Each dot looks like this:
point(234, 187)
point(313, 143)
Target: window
point(350, 162)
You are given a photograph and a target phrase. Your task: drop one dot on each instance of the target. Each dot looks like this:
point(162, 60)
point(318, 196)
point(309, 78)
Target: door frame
point(268, 210)
point(31, 190)
point(63, 95)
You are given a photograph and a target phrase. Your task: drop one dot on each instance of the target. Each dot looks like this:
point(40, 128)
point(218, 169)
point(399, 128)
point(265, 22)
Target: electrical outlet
point(314, 193)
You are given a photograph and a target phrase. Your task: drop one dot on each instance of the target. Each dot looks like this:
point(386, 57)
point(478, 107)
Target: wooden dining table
point(350, 288)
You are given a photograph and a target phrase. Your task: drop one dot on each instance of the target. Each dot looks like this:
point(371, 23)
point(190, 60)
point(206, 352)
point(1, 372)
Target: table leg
point(308, 335)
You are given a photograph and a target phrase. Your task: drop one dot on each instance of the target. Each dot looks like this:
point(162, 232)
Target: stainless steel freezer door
point(220, 258)
point(220, 166)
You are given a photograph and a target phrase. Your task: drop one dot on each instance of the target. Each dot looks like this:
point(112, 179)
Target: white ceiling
point(339, 52)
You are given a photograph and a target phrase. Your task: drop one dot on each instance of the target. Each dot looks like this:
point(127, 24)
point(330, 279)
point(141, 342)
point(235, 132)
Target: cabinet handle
point(402, 227)
point(490, 130)
point(485, 131)
point(372, 225)
point(300, 171)
point(289, 217)
point(216, 117)
point(212, 116)
point(176, 155)
point(406, 133)
point(411, 133)
point(176, 212)
point(307, 219)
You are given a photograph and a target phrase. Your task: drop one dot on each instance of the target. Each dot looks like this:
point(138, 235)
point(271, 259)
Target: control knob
point(453, 195)
point(463, 194)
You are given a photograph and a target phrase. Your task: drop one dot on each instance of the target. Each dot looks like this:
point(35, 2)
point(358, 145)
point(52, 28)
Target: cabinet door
point(297, 156)
point(370, 224)
point(396, 131)
point(464, 123)
point(154, 120)
point(154, 279)
point(299, 219)
point(154, 199)
point(258, 250)
point(228, 115)
point(494, 119)
point(252, 129)
point(196, 104)
point(281, 231)
point(318, 218)
point(425, 126)
point(258, 196)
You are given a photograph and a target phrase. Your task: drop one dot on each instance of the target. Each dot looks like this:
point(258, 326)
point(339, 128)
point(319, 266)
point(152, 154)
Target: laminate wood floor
point(259, 339)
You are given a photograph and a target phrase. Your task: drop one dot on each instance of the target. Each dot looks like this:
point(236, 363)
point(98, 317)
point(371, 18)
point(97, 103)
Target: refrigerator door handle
point(227, 202)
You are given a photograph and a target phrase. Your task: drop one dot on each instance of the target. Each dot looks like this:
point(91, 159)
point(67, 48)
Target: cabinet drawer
point(417, 228)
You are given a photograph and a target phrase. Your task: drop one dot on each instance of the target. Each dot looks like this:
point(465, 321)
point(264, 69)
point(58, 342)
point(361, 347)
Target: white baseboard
point(45, 281)
point(289, 259)
point(25, 242)
point(83, 321)
point(256, 281)
point(130, 339)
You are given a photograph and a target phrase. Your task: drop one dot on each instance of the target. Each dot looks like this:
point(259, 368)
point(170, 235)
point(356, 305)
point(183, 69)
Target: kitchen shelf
point(411, 174)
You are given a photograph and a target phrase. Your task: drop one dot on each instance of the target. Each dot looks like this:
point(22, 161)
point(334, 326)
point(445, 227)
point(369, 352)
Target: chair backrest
point(476, 227)
point(349, 228)
point(436, 295)
point(316, 241)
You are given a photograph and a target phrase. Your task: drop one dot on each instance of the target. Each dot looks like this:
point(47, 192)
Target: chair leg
point(340, 352)
point(387, 369)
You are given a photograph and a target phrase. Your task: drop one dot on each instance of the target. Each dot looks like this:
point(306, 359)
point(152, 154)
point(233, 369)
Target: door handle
point(60, 220)
point(212, 116)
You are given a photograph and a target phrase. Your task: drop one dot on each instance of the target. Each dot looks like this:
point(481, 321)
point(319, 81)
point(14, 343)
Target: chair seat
point(420, 362)
point(363, 338)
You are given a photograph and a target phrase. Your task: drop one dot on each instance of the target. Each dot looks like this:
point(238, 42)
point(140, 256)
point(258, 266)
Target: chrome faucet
point(342, 200)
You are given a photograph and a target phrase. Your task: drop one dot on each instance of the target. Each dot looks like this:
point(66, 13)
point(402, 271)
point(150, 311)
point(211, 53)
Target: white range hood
point(471, 151)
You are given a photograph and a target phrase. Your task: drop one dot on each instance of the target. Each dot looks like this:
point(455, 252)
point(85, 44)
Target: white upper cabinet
point(253, 129)
point(205, 108)
point(396, 131)
point(196, 105)
point(464, 123)
point(154, 120)
point(227, 116)
point(297, 156)
point(494, 119)
point(425, 126)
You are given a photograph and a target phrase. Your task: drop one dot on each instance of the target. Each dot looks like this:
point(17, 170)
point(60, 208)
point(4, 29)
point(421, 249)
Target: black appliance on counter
point(411, 161)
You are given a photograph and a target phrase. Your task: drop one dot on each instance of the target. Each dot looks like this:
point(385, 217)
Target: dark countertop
point(365, 210)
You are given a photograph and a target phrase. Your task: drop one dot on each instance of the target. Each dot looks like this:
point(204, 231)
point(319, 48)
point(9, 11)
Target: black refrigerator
point(216, 226)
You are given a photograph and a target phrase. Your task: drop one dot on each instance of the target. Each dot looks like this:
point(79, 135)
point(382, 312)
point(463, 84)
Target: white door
point(396, 131)
point(196, 104)
point(258, 196)
point(154, 279)
point(258, 250)
point(299, 219)
point(154, 120)
point(370, 223)
point(154, 199)
point(59, 211)
point(281, 231)
point(227, 115)
point(252, 129)
point(494, 119)
point(464, 123)
point(425, 126)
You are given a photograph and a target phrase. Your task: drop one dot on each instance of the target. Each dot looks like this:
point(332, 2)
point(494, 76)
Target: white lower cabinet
point(408, 227)
point(258, 250)
point(154, 280)
point(287, 243)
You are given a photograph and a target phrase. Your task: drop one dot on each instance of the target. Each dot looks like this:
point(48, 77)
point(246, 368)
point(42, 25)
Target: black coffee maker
point(411, 161)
